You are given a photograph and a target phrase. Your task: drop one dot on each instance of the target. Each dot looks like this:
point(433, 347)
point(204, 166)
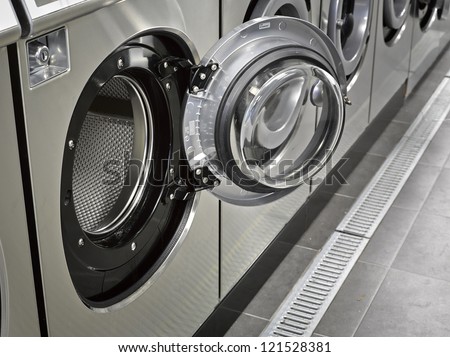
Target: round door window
point(249, 97)
point(292, 8)
point(395, 14)
point(121, 160)
point(349, 27)
point(427, 13)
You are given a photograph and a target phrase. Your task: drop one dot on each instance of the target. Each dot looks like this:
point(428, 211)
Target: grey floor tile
point(418, 187)
point(269, 296)
point(218, 323)
point(247, 326)
point(321, 217)
point(389, 139)
point(438, 202)
point(438, 151)
point(358, 176)
point(408, 305)
point(351, 303)
point(389, 237)
point(426, 249)
point(414, 104)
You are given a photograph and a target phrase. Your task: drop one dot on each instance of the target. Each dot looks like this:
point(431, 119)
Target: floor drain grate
point(303, 308)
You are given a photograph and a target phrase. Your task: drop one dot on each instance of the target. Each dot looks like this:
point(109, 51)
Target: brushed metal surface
point(187, 291)
point(391, 64)
point(357, 115)
point(426, 47)
point(18, 302)
point(247, 231)
point(9, 25)
point(42, 15)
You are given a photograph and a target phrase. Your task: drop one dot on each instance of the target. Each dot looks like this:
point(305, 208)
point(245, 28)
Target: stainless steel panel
point(357, 115)
point(426, 47)
point(18, 302)
point(9, 25)
point(205, 35)
point(247, 231)
point(187, 291)
point(391, 65)
point(47, 14)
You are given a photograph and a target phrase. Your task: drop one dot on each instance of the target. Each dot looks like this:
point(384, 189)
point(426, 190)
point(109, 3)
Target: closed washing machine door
point(246, 102)
point(292, 8)
point(443, 9)
point(427, 13)
point(349, 27)
point(395, 13)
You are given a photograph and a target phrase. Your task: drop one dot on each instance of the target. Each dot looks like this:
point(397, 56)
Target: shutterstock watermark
point(280, 174)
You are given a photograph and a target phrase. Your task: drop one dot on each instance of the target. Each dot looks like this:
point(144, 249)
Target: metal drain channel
point(305, 305)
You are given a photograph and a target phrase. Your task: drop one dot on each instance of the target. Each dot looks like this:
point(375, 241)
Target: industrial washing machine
point(392, 53)
point(247, 231)
point(351, 25)
point(431, 33)
point(124, 131)
point(18, 304)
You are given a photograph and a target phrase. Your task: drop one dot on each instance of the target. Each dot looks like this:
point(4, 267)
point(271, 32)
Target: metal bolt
point(198, 172)
point(195, 89)
point(347, 100)
point(172, 196)
point(168, 86)
point(205, 180)
point(166, 65)
point(214, 67)
point(120, 63)
point(71, 144)
point(175, 69)
point(216, 183)
point(202, 76)
point(340, 23)
point(172, 171)
point(133, 246)
point(81, 242)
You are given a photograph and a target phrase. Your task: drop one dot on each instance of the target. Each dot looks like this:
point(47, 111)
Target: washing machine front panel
point(348, 24)
point(245, 106)
point(392, 52)
point(155, 308)
point(430, 35)
point(18, 305)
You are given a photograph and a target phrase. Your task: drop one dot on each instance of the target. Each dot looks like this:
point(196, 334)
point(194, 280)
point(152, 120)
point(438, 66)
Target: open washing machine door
point(246, 102)
point(349, 28)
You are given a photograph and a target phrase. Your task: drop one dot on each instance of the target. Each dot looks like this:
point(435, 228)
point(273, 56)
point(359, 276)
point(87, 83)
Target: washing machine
point(351, 25)
point(18, 305)
point(431, 33)
point(392, 53)
point(247, 231)
point(132, 142)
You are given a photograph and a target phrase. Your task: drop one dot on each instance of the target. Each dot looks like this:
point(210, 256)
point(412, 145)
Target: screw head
point(202, 76)
point(195, 89)
point(71, 144)
point(205, 180)
point(172, 196)
point(198, 172)
point(168, 86)
point(81, 242)
point(216, 183)
point(166, 65)
point(120, 63)
point(133, 246)
point(172, 171)
point(214, 67)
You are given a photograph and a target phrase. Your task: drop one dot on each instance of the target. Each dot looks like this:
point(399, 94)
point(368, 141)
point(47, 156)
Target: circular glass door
point(427, 13)
point(349, 27)
point(244, 122)
point(291, 8)
point(395, 13)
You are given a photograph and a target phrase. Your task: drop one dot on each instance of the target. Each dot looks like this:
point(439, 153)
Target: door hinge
point(200, 77)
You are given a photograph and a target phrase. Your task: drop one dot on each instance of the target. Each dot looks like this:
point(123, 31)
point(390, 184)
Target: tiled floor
point(401, 284)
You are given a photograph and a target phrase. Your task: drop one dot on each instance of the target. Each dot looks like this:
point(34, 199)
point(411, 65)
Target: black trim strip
point(220, 18)
point(220, 250)
point(27, 186)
